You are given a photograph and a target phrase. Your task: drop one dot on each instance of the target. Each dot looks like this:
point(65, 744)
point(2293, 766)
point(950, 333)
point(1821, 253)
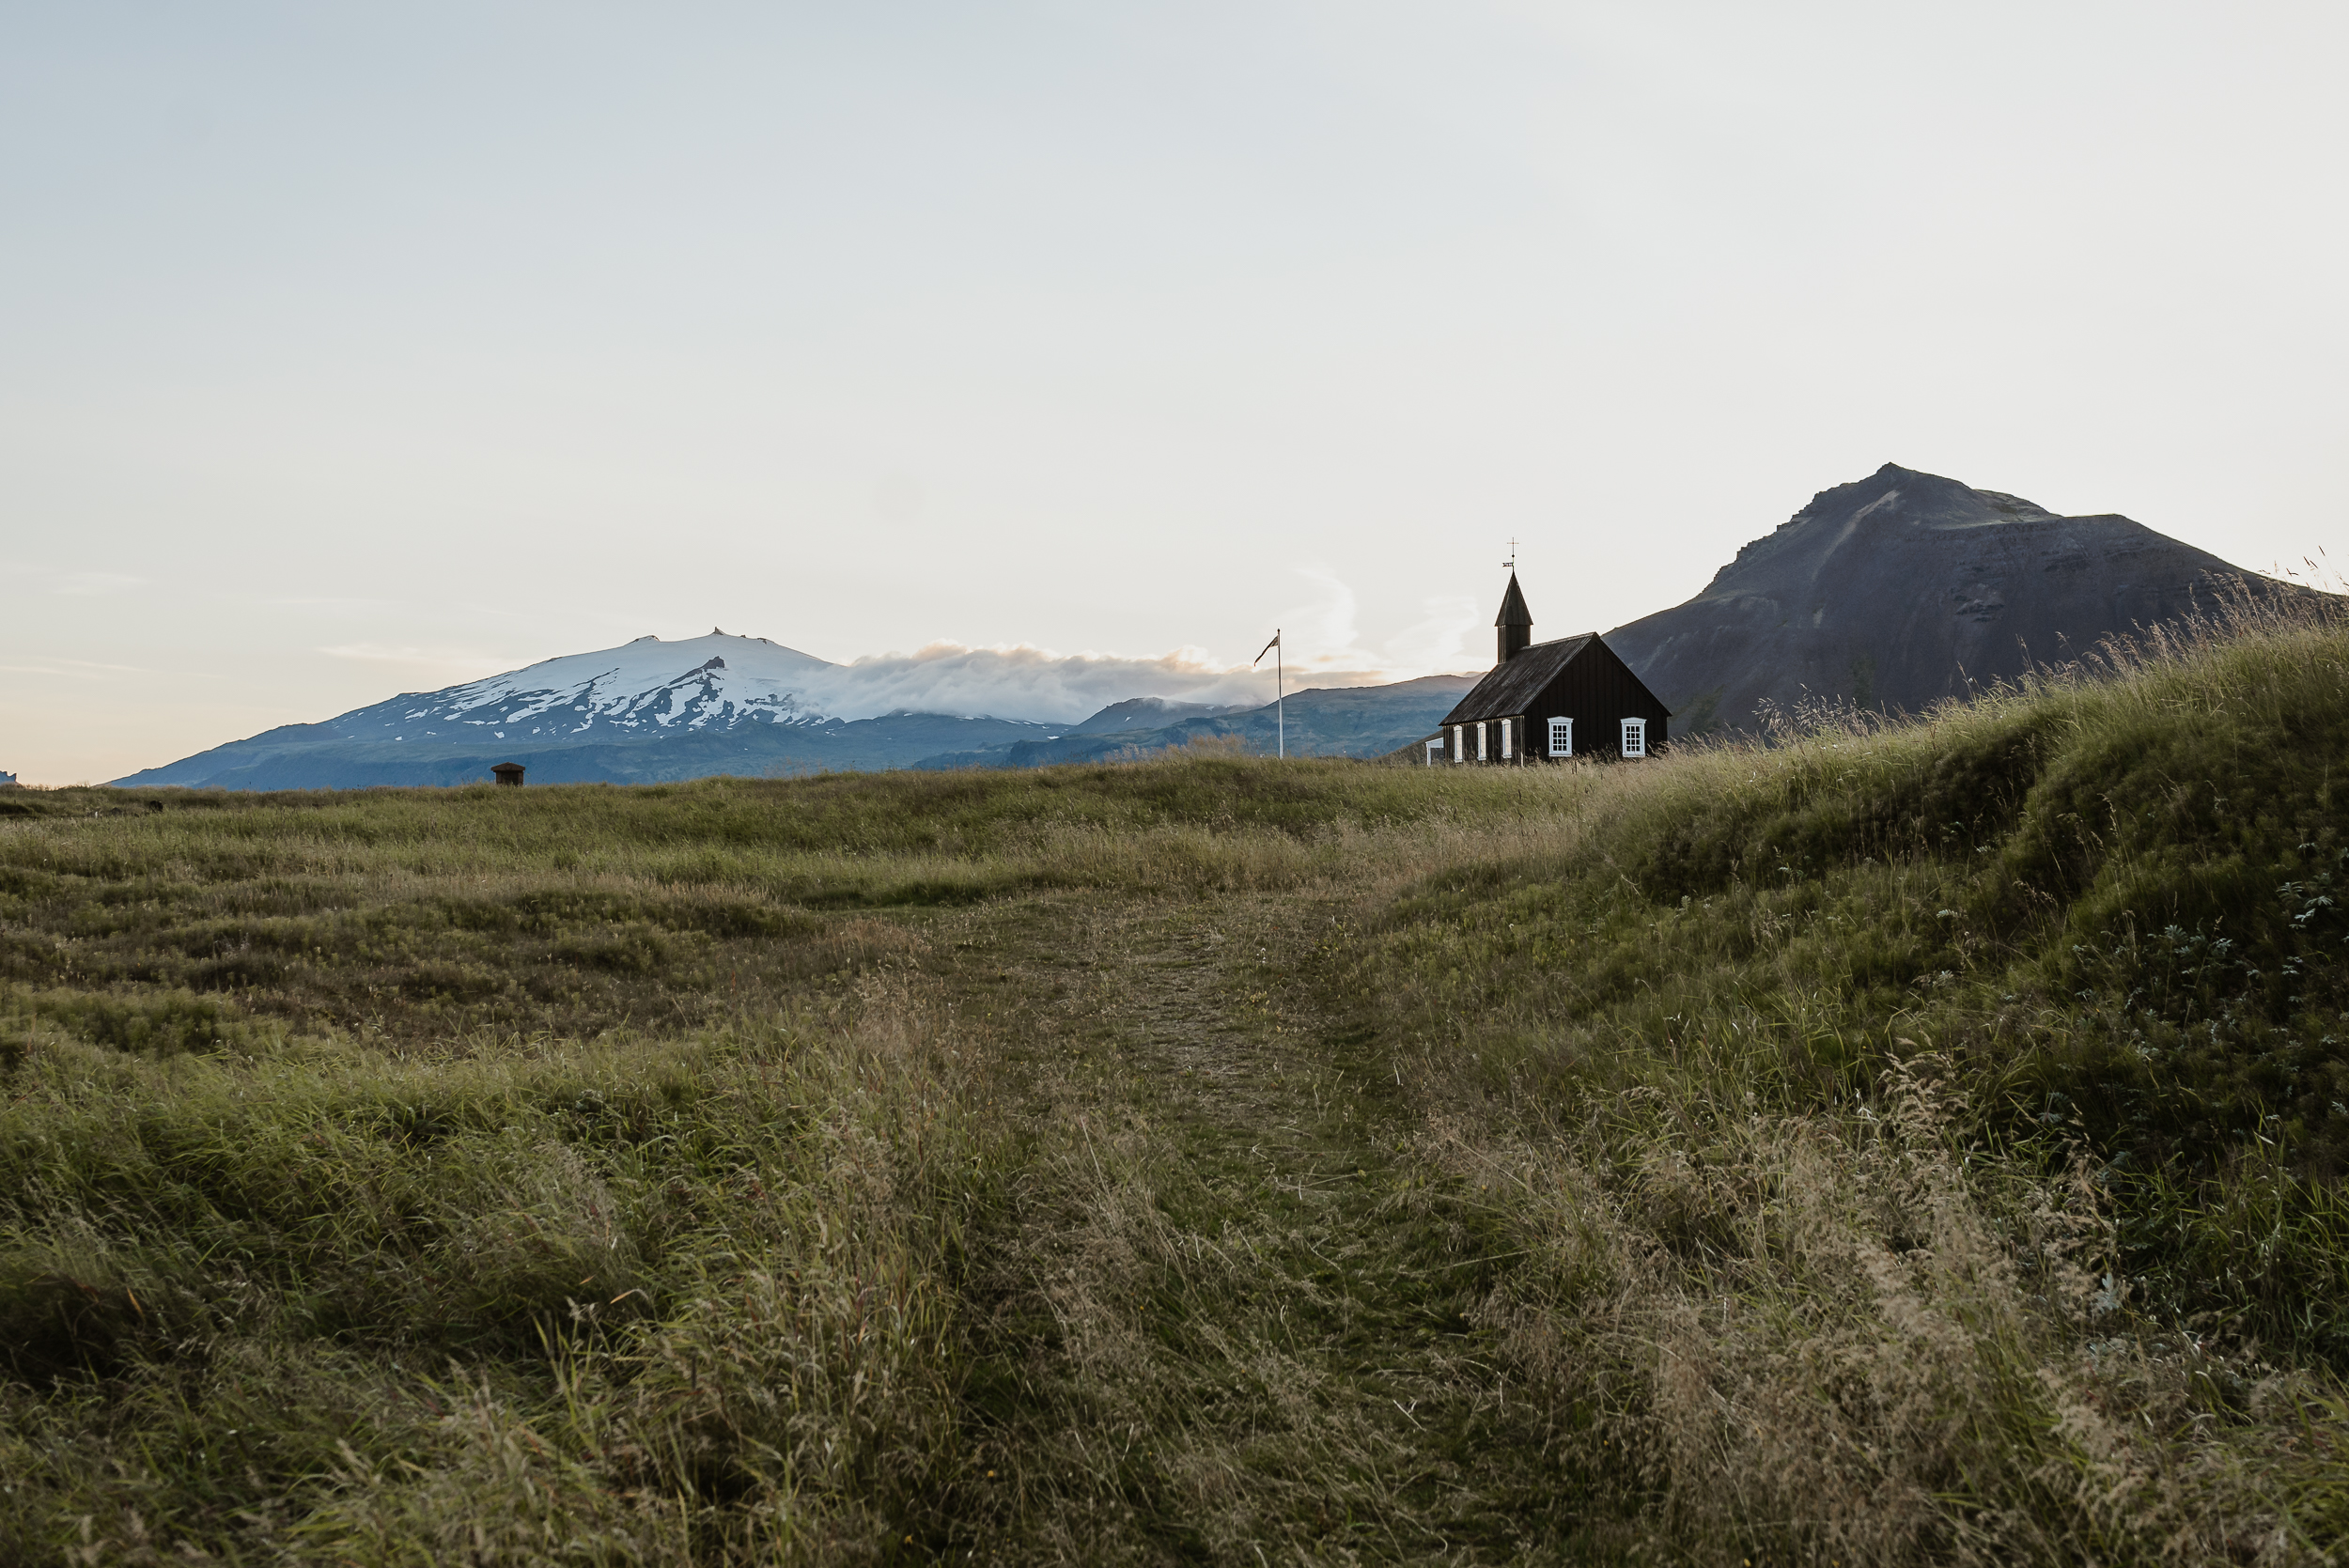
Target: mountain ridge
point(1890, 592)
point(1903, 588)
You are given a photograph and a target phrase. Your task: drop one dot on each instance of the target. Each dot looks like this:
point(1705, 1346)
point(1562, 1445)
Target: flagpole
point(1280, 688)
point(1279, 696)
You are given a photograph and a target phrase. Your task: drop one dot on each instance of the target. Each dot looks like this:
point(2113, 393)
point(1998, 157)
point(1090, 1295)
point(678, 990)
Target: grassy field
point(1899, 1145)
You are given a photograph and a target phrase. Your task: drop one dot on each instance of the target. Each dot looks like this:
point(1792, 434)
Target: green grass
point(422, 914)
point(381, 1168)
point(1898, 1144)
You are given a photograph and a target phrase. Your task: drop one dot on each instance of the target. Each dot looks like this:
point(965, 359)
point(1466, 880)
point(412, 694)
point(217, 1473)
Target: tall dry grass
point(1869, 1340)
point(627, 1303)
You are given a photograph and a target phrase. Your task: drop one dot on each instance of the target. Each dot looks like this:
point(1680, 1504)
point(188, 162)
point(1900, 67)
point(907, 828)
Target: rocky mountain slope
point(1903, 588)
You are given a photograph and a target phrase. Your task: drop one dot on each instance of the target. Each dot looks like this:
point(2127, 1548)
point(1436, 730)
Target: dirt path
point(1232, 1319)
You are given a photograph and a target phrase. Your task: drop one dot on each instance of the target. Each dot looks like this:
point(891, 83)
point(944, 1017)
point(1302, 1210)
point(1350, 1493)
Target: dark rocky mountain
point(1903, 588)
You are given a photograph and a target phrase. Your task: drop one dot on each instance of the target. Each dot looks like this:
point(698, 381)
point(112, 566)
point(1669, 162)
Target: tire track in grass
point(1226, 1316)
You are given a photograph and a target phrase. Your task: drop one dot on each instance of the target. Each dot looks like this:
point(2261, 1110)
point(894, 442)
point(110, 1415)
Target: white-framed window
point(1459, 753)
point(1484, 737)
point(1635, 737)
point(1435, 750)
point(1505, 738)
point(1561, 737)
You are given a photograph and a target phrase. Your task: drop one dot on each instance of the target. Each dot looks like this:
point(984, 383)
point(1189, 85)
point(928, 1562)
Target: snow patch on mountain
point(647, 686)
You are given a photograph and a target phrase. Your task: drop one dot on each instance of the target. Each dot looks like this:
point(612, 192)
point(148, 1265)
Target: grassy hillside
point(1929, 1137)
point(1898, 1145)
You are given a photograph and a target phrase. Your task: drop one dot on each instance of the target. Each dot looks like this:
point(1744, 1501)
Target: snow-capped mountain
point(645, 711)
point(647, 686)
point(652, 710)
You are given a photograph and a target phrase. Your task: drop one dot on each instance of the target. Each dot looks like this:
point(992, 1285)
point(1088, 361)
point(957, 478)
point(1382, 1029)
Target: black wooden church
point(1545, 701)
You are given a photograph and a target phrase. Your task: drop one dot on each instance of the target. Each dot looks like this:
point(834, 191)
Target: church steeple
point(1514, 621)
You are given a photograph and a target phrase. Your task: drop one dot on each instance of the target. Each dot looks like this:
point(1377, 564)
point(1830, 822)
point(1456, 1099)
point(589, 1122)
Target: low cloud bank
point(1325, 643)
point(1035, 683)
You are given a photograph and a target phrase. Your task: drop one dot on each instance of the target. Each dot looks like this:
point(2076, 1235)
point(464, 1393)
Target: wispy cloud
point(75, 669)
point(408, 652)
point(1442, 638)
point(1320, 637)
point(1328, 623)
point(1025, 682)
point(93, 584)
point(1322, 641)
point(70, 583)
point(1323, 633)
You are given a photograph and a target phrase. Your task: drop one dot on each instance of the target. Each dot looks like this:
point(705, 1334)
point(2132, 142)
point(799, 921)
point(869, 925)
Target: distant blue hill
point(1339, 721)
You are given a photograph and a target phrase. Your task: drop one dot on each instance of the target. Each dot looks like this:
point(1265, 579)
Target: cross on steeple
point(1511, 564)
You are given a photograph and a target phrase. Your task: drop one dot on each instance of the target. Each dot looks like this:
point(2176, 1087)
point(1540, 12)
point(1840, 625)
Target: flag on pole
point(1280, 692)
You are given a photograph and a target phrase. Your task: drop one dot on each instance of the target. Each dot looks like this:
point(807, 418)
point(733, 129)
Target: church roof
point(1513, 610)
point(1510, 687)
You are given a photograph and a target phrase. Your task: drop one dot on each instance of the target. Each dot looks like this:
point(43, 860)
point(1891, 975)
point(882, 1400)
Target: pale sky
point(351, 349)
